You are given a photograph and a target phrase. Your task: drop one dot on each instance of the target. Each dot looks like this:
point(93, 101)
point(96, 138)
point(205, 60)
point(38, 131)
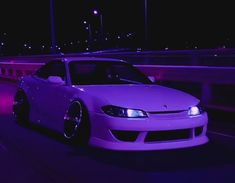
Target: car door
point(37, 94)
point(54, 99)
point(47, 96)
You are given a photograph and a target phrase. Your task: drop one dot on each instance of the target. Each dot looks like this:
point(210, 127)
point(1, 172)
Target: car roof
point(69, 59)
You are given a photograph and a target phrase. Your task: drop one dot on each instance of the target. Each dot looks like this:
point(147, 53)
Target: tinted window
point(104, 72)
point(53, 68)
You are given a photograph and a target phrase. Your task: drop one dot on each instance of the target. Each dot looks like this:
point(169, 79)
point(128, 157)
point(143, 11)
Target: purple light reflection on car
point(110, 104)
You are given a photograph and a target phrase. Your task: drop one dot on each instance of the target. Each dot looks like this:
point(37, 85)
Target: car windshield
point(105, 72)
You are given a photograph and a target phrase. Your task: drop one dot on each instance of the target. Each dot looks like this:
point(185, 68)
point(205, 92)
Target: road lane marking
point(221, 134)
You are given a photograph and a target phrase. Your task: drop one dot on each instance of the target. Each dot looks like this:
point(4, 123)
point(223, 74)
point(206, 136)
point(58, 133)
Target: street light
point(96, 12)
point(89, 34)
point(53, 39)
point(145, 24)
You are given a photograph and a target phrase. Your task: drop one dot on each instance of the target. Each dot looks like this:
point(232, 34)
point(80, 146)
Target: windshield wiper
point(130, 81)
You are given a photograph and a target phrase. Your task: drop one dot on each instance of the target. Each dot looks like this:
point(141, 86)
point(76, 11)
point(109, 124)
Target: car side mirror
point(152, 78)
point(56, 80)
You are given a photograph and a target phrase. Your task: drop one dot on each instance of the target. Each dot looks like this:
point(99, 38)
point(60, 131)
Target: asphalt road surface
point(38, 155)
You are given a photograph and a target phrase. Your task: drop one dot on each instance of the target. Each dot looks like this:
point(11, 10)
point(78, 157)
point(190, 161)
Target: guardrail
point(14, 71)
point(207, 78)
point(220, 57)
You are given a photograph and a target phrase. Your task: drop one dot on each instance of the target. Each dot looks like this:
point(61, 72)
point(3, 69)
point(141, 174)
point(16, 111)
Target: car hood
point(145, 97)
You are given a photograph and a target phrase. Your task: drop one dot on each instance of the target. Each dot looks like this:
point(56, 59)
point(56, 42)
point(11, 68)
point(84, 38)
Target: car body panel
point(166, 109)
point(146, 97)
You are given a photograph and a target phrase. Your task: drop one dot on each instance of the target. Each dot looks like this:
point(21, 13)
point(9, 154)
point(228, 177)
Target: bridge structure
point(36, 154)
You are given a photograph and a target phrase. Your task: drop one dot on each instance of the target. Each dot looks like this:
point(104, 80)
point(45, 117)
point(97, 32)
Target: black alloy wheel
point(21, 108)
point(76, 124)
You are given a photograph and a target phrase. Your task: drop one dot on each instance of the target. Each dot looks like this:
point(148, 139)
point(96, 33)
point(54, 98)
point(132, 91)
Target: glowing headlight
point(124, 112)
point(195, 110)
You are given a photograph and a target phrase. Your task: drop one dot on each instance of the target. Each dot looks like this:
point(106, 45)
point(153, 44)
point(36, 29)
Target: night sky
point(174, 24)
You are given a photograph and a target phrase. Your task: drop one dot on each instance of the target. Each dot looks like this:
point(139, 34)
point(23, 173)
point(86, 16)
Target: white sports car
point(110, 104)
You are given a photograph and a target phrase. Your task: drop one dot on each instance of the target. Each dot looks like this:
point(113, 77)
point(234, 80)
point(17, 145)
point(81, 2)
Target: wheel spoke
point(72, 120)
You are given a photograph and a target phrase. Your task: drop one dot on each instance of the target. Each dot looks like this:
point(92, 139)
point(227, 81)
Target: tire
point(76, 124)
point(21, 108)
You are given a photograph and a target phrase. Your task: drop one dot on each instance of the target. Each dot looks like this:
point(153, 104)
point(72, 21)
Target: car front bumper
point(157, 132)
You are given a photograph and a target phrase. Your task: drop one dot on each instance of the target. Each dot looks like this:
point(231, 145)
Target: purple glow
point(6, 101)
point(95, 12)
point(137, 99)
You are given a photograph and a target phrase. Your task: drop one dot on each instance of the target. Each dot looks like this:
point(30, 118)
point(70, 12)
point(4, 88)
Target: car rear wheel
point(21, 108)
point(76, 124)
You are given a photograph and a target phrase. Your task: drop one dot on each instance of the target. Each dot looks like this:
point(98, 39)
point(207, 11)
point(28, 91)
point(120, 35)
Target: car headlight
point(124, 112)
point(195, 110)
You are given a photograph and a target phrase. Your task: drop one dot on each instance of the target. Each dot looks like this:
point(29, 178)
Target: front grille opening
point(198, 130)
point(168, 135)
point(166, 112)
point(128, 136)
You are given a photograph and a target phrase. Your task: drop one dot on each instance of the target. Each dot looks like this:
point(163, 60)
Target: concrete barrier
point(14, 71)
point(208, 78)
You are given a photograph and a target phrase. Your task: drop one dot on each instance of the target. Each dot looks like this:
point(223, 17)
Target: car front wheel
point(76, 124)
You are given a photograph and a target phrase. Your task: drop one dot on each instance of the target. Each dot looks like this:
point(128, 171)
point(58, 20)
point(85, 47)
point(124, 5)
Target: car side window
point(53, 68)
point(43, 71)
